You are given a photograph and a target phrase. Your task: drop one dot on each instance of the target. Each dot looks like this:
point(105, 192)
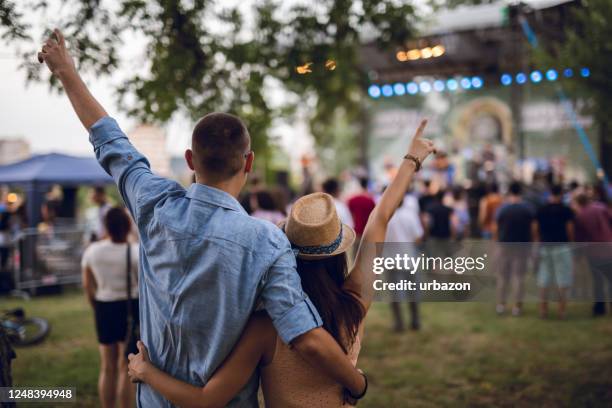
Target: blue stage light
point(412, 88)
point(374, 91)
point(425, 87)
point(536, 76)
point(521, 78)
point(506, 79)
point(585, 72)
point(477, 82)
point(399, 89)
point(438, 85)
point(568, 73)
point(387, 90)
point(452, 84)
point(465, 83)
point(551, 75)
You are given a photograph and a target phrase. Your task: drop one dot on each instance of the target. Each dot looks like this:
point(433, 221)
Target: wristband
point(416, 161)
point(360, 396)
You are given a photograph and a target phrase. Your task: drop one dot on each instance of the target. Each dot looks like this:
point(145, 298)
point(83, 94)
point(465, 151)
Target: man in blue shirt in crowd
point(204, 262)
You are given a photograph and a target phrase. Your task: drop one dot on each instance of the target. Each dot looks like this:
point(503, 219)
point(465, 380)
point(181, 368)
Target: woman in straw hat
point(320, 242)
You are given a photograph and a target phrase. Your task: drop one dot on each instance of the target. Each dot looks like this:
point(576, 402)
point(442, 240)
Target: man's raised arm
point(138, 186)
point(59, 61)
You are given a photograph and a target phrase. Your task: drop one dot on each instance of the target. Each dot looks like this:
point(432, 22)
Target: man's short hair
point(219, 143)
point(516, 188)
point(331, 186)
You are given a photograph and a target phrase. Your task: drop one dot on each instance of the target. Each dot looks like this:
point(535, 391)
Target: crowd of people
point(518, 216)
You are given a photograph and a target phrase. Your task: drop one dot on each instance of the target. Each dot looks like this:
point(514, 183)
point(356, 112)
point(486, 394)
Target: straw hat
point(314, 229)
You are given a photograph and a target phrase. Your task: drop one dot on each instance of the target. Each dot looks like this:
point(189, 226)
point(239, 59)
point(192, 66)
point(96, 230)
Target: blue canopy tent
point(38, 173)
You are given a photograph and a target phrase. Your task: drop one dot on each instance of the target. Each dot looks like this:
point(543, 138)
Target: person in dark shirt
point(555, 227)
point(513, 225)
point(440, 225)
point(426, 197)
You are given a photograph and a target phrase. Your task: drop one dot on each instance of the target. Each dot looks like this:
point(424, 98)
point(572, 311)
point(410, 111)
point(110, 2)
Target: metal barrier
point(49, 258)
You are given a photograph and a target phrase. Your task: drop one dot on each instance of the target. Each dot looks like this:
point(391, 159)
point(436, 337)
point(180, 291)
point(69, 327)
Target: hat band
point(319, 249)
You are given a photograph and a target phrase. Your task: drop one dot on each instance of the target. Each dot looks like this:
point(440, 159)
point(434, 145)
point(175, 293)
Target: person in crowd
point(513, 229)
point(6, 236)
point(461, 214)
point(105, 266)
point(48, 212)
point(488, 207)
point(205, 264)
point(593, 224)
point(331, 186)
point(426, 196)
point(361, 205)
point(247, 197)
point(266, 208)
point(441, 220)
point(405, 234)
point(342, 298)
point(555, 228)
point(95, 215)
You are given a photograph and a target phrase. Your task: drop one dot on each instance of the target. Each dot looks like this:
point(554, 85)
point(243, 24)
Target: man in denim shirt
point(204, 262)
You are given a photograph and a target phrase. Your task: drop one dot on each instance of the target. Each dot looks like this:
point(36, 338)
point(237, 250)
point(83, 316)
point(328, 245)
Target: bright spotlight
point(452, 84)
point(438, 51)
point(412, 88)
point(551, 75)
point(521, 78)
point(536, 76)
point(374, 91)
point(585, 72)
point(399, 89)
point(438, 86)
point(506, 79)
point(465, 83)
point(477, 82)
point(426, 53)
point(401, 56)
point(425, 87)
point(387, 90)
point(413, 54)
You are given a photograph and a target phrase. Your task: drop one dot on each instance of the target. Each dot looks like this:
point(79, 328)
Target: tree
point(588, 43)
point(201, 56)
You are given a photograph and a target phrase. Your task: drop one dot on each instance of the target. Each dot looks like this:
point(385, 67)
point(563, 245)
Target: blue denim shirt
point(204, 265)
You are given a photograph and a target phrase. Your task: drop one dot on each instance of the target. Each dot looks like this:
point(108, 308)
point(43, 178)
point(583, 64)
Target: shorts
point(555, 265)
point(112, 320)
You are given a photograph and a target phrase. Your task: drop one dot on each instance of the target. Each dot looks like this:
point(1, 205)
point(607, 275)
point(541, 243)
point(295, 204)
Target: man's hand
point(139, 363)
point(55, 54)
point(59, 61)
point(419, 147)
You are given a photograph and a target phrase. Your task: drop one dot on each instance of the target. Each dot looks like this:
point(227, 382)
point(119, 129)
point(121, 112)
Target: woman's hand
point(139, 364)
point(419, 147)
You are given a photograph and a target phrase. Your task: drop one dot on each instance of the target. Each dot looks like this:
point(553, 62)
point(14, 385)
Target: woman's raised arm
point(360, 279)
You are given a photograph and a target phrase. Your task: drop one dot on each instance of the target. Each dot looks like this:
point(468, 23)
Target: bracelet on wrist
point(414, 159)
point(365, 389)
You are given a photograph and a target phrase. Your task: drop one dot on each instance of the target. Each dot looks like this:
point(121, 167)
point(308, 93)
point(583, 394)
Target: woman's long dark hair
point(341, 311)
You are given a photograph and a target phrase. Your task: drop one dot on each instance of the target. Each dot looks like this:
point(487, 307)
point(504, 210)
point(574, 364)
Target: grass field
point(464, 356)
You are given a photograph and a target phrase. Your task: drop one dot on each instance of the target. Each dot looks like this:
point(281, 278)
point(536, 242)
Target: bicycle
point(24, 331)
